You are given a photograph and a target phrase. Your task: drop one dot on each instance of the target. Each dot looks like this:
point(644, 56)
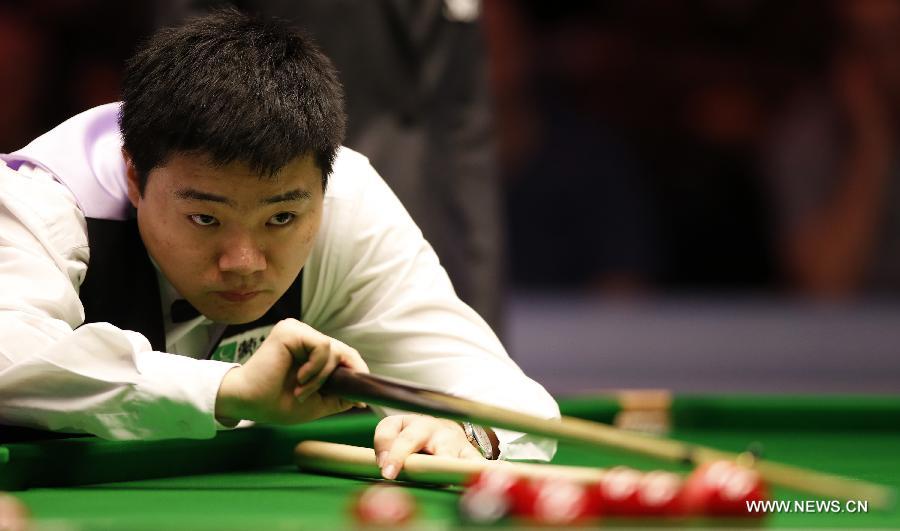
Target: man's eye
point(203, 220)
point(282, 218)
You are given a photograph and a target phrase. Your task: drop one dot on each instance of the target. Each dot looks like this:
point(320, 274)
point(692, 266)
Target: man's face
point(229, 241)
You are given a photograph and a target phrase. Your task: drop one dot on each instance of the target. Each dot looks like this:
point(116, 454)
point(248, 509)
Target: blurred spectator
point(60, 57)
point(833, 162)
point(714, 72)
point(415, 77)
point(649, 115)
point(578, 209)
point(23, 54)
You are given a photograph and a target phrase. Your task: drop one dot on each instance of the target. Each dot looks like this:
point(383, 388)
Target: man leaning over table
point(206, 252)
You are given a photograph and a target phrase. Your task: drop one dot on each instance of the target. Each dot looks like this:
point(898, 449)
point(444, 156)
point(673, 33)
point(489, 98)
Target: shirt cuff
point(183, 394)
point(521, 446)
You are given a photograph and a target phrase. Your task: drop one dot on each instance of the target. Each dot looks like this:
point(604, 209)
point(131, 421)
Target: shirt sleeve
point(95, 378)
point(382, 290)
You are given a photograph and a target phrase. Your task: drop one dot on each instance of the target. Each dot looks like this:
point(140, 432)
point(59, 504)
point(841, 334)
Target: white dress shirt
point(371, 281)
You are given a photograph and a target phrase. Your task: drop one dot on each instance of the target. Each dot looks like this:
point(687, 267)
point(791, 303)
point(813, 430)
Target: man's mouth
point(237, 296)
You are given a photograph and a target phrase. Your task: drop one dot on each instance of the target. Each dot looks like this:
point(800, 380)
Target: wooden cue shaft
point(401, 395)
point(357, 461)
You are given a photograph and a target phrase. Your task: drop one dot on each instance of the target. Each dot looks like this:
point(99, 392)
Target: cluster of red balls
point(718, 489)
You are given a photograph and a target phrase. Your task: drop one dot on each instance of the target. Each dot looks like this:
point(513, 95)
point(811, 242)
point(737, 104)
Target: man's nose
point(242, 255)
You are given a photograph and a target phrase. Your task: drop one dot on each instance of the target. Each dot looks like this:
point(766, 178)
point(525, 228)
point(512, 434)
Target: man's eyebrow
point(293, 195)
point(192, 194)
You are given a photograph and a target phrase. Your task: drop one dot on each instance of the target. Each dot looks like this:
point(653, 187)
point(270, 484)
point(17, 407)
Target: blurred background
point(696, 195)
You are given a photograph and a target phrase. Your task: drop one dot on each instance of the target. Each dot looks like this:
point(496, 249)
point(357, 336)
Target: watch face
point(478, 438)
point(484, 442)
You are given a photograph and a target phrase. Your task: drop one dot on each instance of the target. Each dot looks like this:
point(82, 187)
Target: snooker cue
point(334, 458)
point(394, 393)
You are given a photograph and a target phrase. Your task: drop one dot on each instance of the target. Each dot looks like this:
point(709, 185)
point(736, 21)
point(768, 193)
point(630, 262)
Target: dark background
point(636, 141)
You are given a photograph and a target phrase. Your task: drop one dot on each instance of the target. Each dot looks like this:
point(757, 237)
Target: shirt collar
point(167, 295)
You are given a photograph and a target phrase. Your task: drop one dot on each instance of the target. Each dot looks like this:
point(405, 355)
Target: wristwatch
point(479, 438)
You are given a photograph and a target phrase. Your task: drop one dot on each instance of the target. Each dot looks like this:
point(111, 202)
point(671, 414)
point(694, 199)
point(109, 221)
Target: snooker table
point(244, 479)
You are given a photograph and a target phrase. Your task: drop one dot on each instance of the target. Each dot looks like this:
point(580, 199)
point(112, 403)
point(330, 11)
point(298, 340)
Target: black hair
point(234, 88)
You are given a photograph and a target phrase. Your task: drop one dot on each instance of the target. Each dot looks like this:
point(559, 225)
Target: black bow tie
point(183, 311)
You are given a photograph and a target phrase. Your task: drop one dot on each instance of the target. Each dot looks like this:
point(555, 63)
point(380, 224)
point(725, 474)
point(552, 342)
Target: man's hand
point(280, 382)
point(399, 436)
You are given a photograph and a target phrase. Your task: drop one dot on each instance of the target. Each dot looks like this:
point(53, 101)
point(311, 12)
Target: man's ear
point(134, 183)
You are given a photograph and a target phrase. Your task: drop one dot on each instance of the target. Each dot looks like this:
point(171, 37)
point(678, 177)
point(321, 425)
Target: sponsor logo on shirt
point(239, 348)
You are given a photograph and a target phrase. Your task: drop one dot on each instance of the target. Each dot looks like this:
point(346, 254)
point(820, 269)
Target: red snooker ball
point(617, 492)
point(659, 494)
point(14, 515)
point(384, 505)
point(494, 494)
point(624, 491)
point(560, 502)
point(723, 488)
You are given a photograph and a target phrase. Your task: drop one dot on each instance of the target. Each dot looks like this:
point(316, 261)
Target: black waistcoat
point(121, 287)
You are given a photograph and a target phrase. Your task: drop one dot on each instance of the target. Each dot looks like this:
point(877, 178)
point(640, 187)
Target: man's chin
point(236, 317)
point(237, 320)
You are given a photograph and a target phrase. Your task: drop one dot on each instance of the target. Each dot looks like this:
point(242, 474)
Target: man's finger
point(334, 404)
point(315, 383)
point(446, 448)
point(386, 432)
point(314, 364)
point(302, 341)
point(452, 444)
point(411, 439)
point(322, 362)
point(469, 452)
point(349, 356)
